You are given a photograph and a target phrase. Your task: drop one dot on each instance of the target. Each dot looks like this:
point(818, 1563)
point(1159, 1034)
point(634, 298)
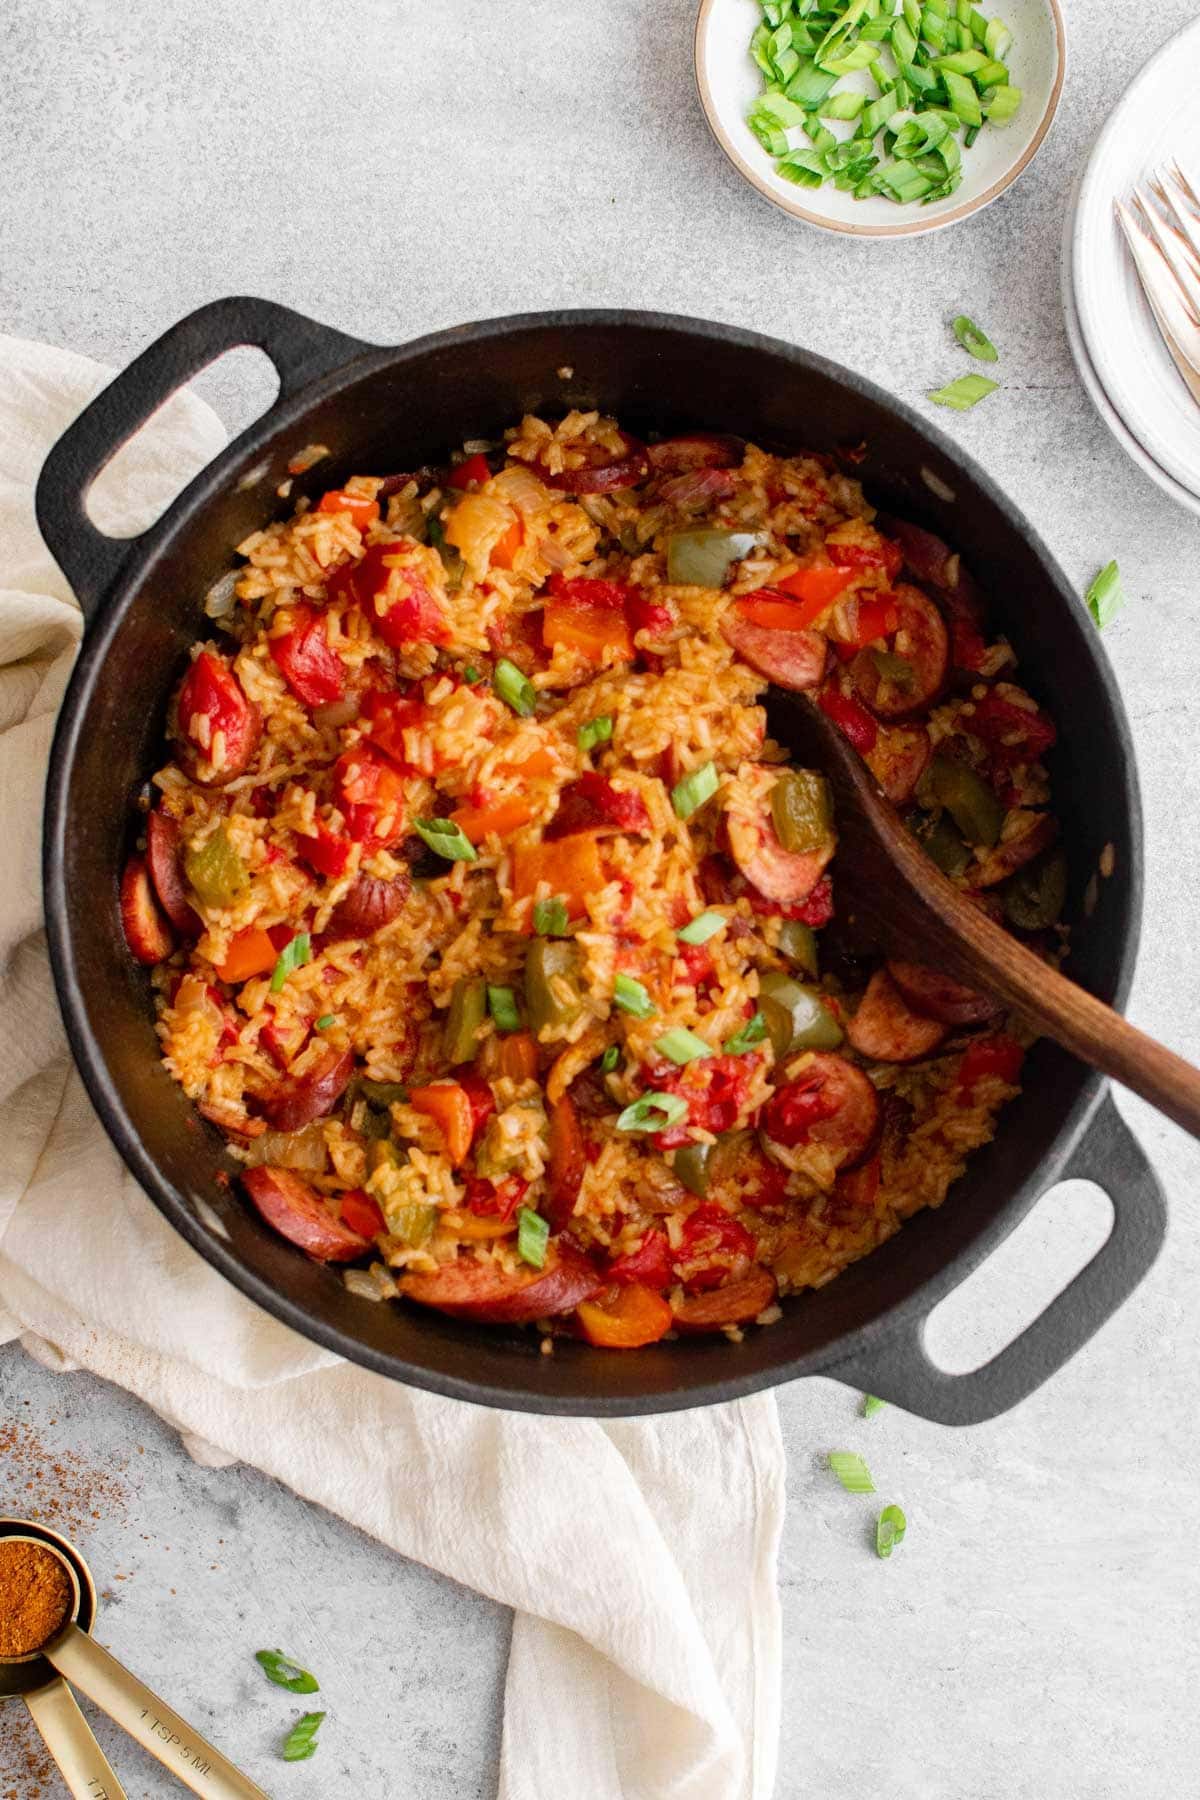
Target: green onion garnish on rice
point(533, 1234)
point(974, 341)
point(631, 997)
point(447, 839)
point(609, 1060)
point(1105, 597)
point(964, 393)
point(704, 926)
point(889, 1530)
point(653, 1112)
point(514, 688)
point(851, 1471)
point(871, 1405)
point(325, 1021)
point(549, 918)
point(596, 731)
point(471, 674)
point(681, 1045)
point(292, 956)
point(502, 1004)
point(694, 789)
point(752, 1032)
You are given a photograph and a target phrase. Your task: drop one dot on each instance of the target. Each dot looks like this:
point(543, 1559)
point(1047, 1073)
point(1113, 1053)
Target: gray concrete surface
point(397, 165)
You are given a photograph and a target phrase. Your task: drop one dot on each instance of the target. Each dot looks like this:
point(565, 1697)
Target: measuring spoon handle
point(155, 1725)
point(68, 1737)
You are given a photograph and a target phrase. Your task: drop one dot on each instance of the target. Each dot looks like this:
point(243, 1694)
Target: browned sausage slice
point(370, 904)
point(301, 1098)
point(297, 1212)
point(791, 659)
point(886, 1029)
point(899, 759)
point(825, 1100)
point(568, 1160)
point(1013, 853)
point(146, 931)
point(922, 643)
point(931, 992)
point(734, 1304)
point(164, 855)
point(480, 1289)
point(786, 876)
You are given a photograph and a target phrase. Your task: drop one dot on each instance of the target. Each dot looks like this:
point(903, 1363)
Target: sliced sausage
point(147, 933)
point(568, 1160)
point(922, 642)
point(933, 562)
point(370, 905)
point(218, 727)
point(791, 659)
point(696, 450)
point(1013, 853)
point(931, 992)
point(165, 856)
point(899, 759)
point(297, 1212)
point(734, 1304)
point(826, 1100)
point(785, 876)
point(886, 1029)
point(302, 1098)
point(483, 1290)
point(600, 477)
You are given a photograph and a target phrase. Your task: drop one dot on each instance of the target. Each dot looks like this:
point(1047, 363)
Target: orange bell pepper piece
point(362, 511)
point(505, 548)
point(817, 587)
point(474, 1230)
point(589, 629)
point(449, 1106)
point(775, 613)
point(250, 953)
point(635, 1316)
point(571, 866)
point(501, 817)
point(518, 1056)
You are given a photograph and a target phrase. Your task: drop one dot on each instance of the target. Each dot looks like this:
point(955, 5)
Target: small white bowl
point(729, 81)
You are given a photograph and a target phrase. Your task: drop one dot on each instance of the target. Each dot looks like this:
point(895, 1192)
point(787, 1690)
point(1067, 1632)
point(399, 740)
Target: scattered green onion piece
point(447, 839)
point(596, 731)
point(549, 918)
point(975, 342)
point(1105, 597)
point(682, 1046)
point(694, 789)
point(325, 1021)
point(533, 1234)
point(301, 1741)
point(851, 1471)
point(471, 674)
point(286, 1672)
point(889, 1530)
point(752, 1032)
point(632, 997)
point(964, 393)
point(871, 1405)
point(704, 926)
point(502, 1004)
point(514, 688)
point(653, 1112)
point(610, 1059)
point(292, 956)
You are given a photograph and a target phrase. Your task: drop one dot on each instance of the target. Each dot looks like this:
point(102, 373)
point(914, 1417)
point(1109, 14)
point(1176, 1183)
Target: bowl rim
point(914, 227)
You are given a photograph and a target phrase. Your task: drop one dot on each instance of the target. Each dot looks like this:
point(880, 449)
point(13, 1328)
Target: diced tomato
point(211, 705)
point(390, 716)
point(710, 1232)
point(281, 936)
point(229, 1030)
point(362, 1214)
point(647, 615)
point(715, 1088)
point(697, 960)
point(272, 1043)
point(592, 801)
point(851, 718)
point(404, 610)
point(495, 1200)
point(997, 1056)
point(582, 590)
point(371, 797)
point(327, 853)
point(818, 586)
point(650, 1265)
point(876, 619)
point(816, 910)
point(792, 1111)
point(463, 474)
point(479, 1094)
point(885, 555)
point(301, 652)
point(1011, 732)
point(362, 511)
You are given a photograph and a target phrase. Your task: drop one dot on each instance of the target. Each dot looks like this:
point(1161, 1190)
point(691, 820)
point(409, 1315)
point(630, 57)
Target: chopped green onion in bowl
point(963, 394)
point(1105, 597)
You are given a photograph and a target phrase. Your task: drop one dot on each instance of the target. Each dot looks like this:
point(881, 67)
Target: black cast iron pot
point(383, 409)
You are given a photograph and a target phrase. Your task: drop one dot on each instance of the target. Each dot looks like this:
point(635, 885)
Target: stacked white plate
point(1121, 357)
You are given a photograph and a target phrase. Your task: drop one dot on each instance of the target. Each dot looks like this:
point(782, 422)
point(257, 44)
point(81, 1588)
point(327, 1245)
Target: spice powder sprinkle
point(35, 1596)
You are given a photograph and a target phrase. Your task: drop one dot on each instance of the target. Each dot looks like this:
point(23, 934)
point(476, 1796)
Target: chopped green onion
point(975, 342)
point(610, 1059)
point(286, 1672)
point(502, 1004)
point(871, 1405)
point(846, 105)
point(447, 839)
point(681, 1045)
point(851, 1471)
point(533, 1234)
point(1105, 597)
point(704, 926)
point(777, 107)
point(889, 1530)
point(653, 1112)
point(694, 789)
point(514, 688)
point(292, 956)
point(549, 918)
point(471, 674)
point(752, 1032)
point(997, 39)
point(1001, 103)
point(632, 997)
point(325, 1021)
point(903, 182)
point(301, 1741)
point(964, 393)
point(596, 731)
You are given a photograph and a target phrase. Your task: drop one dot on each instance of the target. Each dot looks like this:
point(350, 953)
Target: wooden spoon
point(901, 902)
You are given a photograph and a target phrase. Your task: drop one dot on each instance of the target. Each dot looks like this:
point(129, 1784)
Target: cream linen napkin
point(645, 1653)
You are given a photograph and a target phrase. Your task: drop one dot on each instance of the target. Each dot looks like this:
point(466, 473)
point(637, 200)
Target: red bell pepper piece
point(851, 718)
point(362, 511)
point(650, 1265)
point(362, 1214)
point(885, 555)
point(327, 853)
point(999, 1055)
point(405, 612)
point(370, 796)
point(464, 474)
point(818, 586)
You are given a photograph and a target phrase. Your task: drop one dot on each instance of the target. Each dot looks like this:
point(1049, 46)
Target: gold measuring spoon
point(72, 1653)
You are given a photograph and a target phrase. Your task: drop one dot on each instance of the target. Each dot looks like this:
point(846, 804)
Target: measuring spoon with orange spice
point(47, 1609)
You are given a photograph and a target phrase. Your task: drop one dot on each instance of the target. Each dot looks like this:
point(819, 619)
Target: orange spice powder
point(35, 1596)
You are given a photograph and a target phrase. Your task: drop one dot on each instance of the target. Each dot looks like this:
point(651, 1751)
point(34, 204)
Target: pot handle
point(897, 1368)
point(300, 349)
